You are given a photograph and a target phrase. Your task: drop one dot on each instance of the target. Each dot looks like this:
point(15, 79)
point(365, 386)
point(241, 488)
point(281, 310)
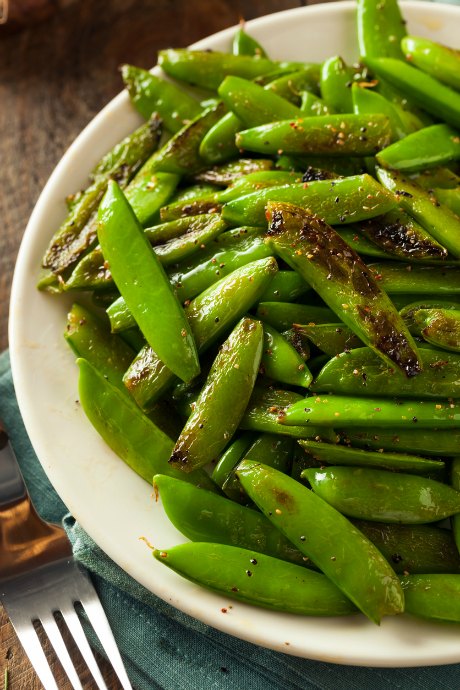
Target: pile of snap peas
point(268, 318)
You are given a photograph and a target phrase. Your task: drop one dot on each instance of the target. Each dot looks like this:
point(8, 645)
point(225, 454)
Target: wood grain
point(54, 77)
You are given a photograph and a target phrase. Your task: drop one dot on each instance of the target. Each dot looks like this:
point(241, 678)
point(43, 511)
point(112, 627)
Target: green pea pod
point(290, 86)
point(455, 482)
point(192, 242)
point(227, 173)
point(228, 460)
point(254, 105)
point(305, 519)
point(383, 496)
point(218, 144)
point(149, 190)
point(435, 59)
point(78, 231)
point(244, 44)
point(427, 148)
point(257, 579)
point(208, 69)
point(313, 105)
point(443, 178)
point(432, 442)
point(331, 338)
point(400, 236)
point(286, 286)
point(180, 155)
point(282, 315)
point(432, 596)
point(335, 201)
point(222, 521)
point(412, 548)
point(413, 117)
point(264, 408)
point(89, 337)
point(92, 272)
point(380, 29)
point(150, 93)
point(299, 342)
point(335, 84)
point(210, 315)
point(398, 278)
point(150, 297)
point(366, 101)
point(330, 454)
point(440, 327)
point(449, 197)
point(344, 282)
point(360, 372)
point(223, 399)
point(333, 135)
point(332, 410)
point(163, 232)
point(426, 91)
point(281, 362)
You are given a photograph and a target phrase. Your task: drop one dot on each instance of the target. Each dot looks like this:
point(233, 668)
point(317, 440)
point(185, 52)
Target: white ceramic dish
point(113, 505)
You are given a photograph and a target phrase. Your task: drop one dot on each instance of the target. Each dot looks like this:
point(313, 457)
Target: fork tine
point(78, 634)
point(55, 637)
point(97, 618)
point(29, 639)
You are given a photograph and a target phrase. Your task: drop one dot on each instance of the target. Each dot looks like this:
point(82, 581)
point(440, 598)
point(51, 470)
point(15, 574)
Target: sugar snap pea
point(230, 458)
point(372, 494)
point(449, 197)
point(436, 59)
point(286, 286)
point(366, 101)
point(192, 242)
point(432, 442)
point(244, 44)
point(283, 315)
point(253, 104)
point(281, 361)
point(149, 190)
point(380, 28)
point(335, 84)
point(314, 105)
point(432, 596)
point(342, 279)
point(408, 278)
point(227, 173)
point(223, 399)
point(455, 482)
point(331, 338)
point(273, 583)
point(304, 518)
point(440, 327)
point(427, 148)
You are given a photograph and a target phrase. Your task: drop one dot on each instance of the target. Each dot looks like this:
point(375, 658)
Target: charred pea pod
point(150, 297)
point(432, 442)
point(439, 327)
point(345, 283)
point(298, 341)
point(314, 105)
point(128, 432)
point(435, 59)
point(371, 494)
point(286, 286)
point(413, 548)
point(344, 200)
point(192, 242)
point(92, 272)
point(284, 315)
point(78, 231)
point(223, 175)
point(334, 410)
point(210, 316)
point(164, 232)
point(180, 155)
point(380, 29)
point(427, 148)
point(332, 135)
point(335, 84)
point(281, 362)
point(401, 237)
point(331, 338)
point(223, 521)
point(434, 596)
point(366, 101)
point(150, 93)
point(209, 69)
point(264, 408)
point(223, 399)
point(361, 372)
point(304, 518)
point(332, 454)
point(426, 91)
point(400, 278)
point(273, 584)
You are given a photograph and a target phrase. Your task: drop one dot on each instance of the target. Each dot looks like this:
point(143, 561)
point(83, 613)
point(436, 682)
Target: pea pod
point(440, 327)
point(148, 191)
point(290, 86)
point(286, 286)
point(455, 482)
point(331, 454)
point(227, 173)
point(360, 372)
point(432, 442)
point(281, 362)
point(150, 93)
point(244, 44)
point(333, 135)
point(331, 338)
point(192, 242)
point(443, 178)
point(218, 144)
point(210, 315)
point(426, 91)
point(150, 297)
point(427, 148)
point(366, 101)
point(359, 197)
point(272, 584)
point(254, 105)
point(223, 399)
point(313, 105)
point(229, 459)
point(371, 494)
point(449, 197)
point(335, 83)
point(208, 69)
point(332, 410)
point(435, 59)
point(304, 518)
point(432, 596)
point(345, 283)
point(298, 341)
point(402, 278)
point(380, 29)
point(282, 315)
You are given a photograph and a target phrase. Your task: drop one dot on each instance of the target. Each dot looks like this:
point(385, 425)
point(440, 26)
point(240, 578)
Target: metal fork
point(40, 578)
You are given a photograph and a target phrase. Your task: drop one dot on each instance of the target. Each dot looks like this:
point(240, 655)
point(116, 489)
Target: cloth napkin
point(163, 648)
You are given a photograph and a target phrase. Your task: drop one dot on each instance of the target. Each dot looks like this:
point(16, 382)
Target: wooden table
point(54, 77)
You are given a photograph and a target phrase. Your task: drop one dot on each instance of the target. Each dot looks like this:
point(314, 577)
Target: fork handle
point(12, 487)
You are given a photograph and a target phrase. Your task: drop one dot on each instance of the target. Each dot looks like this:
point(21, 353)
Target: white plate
point(112, 504)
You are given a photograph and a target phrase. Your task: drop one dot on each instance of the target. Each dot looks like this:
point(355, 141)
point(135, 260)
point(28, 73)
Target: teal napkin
point(163, 648)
